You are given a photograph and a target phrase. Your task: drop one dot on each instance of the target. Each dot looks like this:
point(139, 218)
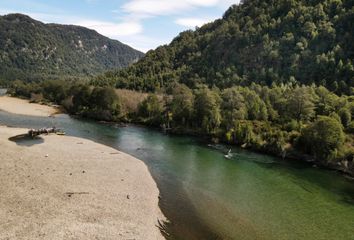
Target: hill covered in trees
point(264, 42)
point(31, 50)
point(248, 79)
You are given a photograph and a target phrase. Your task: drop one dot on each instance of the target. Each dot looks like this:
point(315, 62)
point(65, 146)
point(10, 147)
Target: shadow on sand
point(25, 140)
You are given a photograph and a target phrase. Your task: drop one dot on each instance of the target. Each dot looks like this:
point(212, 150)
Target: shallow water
point(207, 196)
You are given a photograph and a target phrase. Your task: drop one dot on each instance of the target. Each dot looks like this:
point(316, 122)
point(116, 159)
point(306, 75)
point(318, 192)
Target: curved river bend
point(207, 196)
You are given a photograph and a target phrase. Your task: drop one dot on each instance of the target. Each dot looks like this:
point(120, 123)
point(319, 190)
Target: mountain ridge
point(32, 50)
point(264, 42)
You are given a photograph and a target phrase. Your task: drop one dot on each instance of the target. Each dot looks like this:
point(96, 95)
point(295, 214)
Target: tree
point(151, 109)
point(241, 132)
point(326, 102)
point(21, 89)
point(345, 116)
point(207, 109)
point(256, 108)
point(300, 105)
point(232, 107)
point(182, 104)
point(323, 138)
point(54, 91)
point(274, 141)
point(104, 103)
point(81, 98)
point(350, 127)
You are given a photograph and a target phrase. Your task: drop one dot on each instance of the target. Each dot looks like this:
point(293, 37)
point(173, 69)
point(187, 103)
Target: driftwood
point(36, 132)
point(69, 194)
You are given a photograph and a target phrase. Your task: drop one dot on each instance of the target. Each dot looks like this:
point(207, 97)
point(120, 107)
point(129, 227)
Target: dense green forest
point(265, 42)
point(273, 76)
point(302, 122)
point(31, 50)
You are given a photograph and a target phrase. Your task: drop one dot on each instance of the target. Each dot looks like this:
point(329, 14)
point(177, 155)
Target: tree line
point(281, 120)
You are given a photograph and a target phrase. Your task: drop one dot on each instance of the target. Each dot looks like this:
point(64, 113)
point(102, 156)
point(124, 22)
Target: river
point(207, 196)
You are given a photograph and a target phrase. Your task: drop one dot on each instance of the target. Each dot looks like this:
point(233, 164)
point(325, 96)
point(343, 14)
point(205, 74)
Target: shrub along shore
point(290, 121)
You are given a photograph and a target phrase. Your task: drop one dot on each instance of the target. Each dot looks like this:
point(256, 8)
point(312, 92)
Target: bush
point(323, 138)
point(350, 128)
point(241, 133)
point(104, 104)
point(151, 110)
point(36, 98)
point(345, 116)
point(335, 116)
point(293, 125)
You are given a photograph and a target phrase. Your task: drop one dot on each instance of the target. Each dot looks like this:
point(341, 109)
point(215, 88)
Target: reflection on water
point(207, 196)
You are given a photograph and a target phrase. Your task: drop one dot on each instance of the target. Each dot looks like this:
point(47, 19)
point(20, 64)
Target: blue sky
point(143, 24)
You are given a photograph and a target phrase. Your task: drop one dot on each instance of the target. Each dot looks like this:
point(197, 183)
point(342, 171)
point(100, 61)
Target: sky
point(142, 24)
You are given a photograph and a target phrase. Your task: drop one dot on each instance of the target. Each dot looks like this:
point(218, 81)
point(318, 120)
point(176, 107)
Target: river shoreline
point(251, 196)
point(61, 187)
point(24, 107)
point(291, 155)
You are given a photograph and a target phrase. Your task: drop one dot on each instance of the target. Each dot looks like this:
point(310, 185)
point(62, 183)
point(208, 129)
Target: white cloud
point(113, 30)
point(228, 3)
point(4, 11)
point(109, 29)
point(143, 42)
point(166, 7)
point(163, 7)
point(203, 3)
point(154, 7)
point(192, 22)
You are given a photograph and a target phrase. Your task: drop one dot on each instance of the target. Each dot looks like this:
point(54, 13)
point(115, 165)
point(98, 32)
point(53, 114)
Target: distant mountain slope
point(266, 42)
point(30, 50)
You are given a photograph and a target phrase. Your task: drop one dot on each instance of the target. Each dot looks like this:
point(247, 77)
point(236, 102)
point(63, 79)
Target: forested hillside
point(258, 41)
point(31, 50)
point(248, 79)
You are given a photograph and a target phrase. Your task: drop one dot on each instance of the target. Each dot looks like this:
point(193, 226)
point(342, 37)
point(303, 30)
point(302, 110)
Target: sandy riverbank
point(61, 187)
point(20, 106)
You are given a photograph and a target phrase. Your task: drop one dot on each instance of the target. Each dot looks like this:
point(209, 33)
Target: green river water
point(207, 196)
